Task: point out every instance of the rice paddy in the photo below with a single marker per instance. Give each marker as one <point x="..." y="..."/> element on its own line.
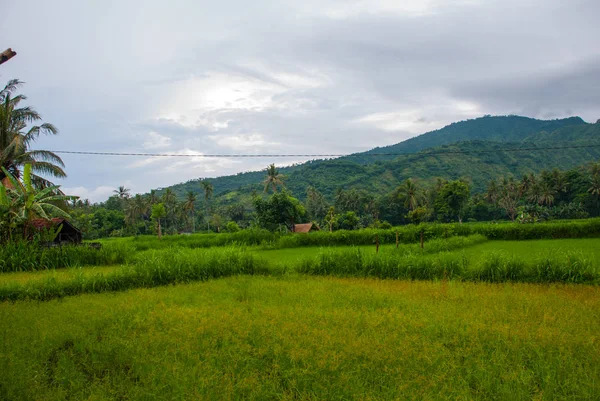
<point x="249" y="323"/>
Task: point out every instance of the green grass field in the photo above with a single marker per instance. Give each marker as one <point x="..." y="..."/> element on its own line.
<point x="278" y="334"/>
<point x="306" y="338"/>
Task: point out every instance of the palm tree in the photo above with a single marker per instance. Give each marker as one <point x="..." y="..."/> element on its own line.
<point x="26" y="203"/>
<point x="546" y="195"/>
<point x="273" y="178"/>
<point x="492" y="192"/>
<point x="169" y="199"/>
<point x="594" y="189"/>
<point x="153" y="197"/>
<point x="122" y="192"/>
<point x="189" y="205"/>
<point x="208" y="191"/>
<point x="16" y="139"/>
<point x="409" y="191"/>
<point x="158" y="212"/>
<point x="136" y="208"/>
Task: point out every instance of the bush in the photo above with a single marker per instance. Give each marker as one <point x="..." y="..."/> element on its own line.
<point x="30" y="256"/>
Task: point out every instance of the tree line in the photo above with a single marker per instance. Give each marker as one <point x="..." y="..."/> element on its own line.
<point x="548" y="195"/>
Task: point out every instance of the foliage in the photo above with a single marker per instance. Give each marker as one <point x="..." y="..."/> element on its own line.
<point x="17" y="137"/>
<point x="280" y="209"/>
<point x="22" y="202"/>
<point x="451" y="201"/>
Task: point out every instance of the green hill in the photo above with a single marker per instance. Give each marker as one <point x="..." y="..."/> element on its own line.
<point x="423" y="157"/>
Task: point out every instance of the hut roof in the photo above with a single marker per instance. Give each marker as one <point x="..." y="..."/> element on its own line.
<point x="43" y="223"/>
<point x="304" y="228"/>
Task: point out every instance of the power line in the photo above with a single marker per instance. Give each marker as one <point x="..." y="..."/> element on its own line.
<point x="436" y="153"/>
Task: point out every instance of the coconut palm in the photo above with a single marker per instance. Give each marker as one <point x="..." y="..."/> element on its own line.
<point x="546" y="195"/>
<point x="594" y="188"/>
<point x="189" y="205"/>
<point x="410" y="193"/>
<point x="136" y="208"/>
<point x="122" y="192"/>
<point x="17" y="136"/>
<point x="208" y="190"/>
<point x="492" y="192"/>
<point x="273" y="178"/>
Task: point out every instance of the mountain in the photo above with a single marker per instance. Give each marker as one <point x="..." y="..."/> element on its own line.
<point x="487" y="128"/>
<point x="483" y="142"/>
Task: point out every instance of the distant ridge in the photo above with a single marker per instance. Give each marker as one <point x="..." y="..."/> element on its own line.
<point x="382" y="174"/>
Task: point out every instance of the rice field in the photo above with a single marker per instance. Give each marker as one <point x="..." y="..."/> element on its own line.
<point x="254" y="323"/>
<point x="307" y="338"/>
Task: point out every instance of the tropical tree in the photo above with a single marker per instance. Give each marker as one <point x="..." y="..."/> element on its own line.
<point x="316" y="205"/>
<point x="188" y="206"/>
<point x="122" y="192"/>
<point x="331" y="218"/>
<point x="280" y="208"/>
<point x="158" y="212"/>
<point x="510" y="195"/>
<point x="24" y="202"/>
<point x="208" y="191"/>
<point x="16" y="137"/>
<point x="546" y="194"/>
<point x="452" y="200"/>
<point x="594" y="188"/>
<point x="409" y="192"/>
<point x="492" y="192"/>
<point x="273" y="178"/>
<point x="135" y="209"/>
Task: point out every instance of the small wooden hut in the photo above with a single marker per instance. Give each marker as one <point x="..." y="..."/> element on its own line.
<point x="305" y="228"/>
<point x="69" y="234"/>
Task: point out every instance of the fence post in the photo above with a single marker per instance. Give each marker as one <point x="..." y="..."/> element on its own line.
<point x="377" y="243"/>
<point x="421" y="239"/>
<point x="396" y="239"/>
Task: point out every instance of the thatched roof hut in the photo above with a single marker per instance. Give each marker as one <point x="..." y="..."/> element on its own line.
<point x="68" y="233"/>
<point x="305" y="228"/>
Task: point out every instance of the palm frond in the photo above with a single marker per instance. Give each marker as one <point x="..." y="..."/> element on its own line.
<point x="46" y="156"/>
<point x="9" y="88"/>
<point x="47" y="168"/>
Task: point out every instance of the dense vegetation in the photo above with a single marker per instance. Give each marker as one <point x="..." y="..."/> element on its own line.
<point x="381" y="174"/>
<point x="550" y="195"/>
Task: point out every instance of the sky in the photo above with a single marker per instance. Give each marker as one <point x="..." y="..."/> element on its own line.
<point x="293" y="77"/>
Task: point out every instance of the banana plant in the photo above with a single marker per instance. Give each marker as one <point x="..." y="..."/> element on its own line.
<point x="25" y="202"/>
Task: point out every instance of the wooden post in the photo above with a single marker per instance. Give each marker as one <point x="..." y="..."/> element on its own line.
<point x="396" y="239"/>
<point x="377" y="243"/>
<point x="421" y="239"/>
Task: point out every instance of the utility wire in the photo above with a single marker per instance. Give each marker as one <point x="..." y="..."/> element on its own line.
<point x="436" y="153"/>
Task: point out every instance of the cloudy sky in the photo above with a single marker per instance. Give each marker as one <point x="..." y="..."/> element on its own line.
<point x="310" y="76"/>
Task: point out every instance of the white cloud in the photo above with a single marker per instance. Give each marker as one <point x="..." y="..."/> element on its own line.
<point x="156" y="141"/>
<point x="97" y="194"/>
<point x="244" y="142"/>
<point x="317" y="76"/>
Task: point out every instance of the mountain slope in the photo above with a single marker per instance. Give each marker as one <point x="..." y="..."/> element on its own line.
<point x="488" y="128"/>
<point x="484" y="138"/>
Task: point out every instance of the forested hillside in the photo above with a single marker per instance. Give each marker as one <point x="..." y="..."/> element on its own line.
<point x="430" y="156"/>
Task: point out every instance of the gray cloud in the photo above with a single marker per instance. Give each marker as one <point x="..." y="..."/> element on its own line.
<point x="286" y="77"/>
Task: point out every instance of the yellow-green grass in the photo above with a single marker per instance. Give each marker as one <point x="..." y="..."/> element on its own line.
<point x="306" y="338"/>
<point x="56" y="274"/>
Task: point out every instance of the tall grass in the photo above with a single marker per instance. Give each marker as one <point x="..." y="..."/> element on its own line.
<point x="408" y="234"/>
<point x="27" y="256"/>
<point x="148" y="269"/>
<point x="496" y="267"/>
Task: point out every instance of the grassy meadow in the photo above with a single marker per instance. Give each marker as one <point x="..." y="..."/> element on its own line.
<point x="296" y="337"/>
<point x="462" y="318"/>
